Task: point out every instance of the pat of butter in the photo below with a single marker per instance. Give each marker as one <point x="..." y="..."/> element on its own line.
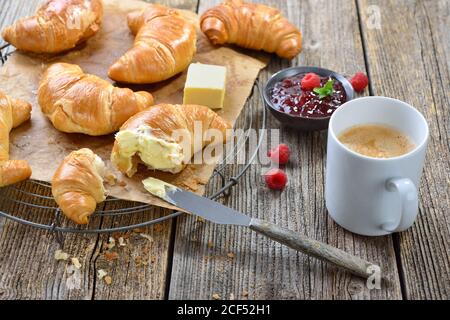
<point x="205" y="85"/>
<point x="157" y="187"/>
<point x="154" y="152"/>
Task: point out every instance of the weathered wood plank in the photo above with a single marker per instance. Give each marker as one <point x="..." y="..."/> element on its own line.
<point x="140" y="270"/>
<point x="236" y="263"/>
<point x="409" y="59"/>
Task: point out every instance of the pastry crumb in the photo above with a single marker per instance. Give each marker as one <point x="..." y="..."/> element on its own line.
<point x="76" y="263"/>
<point x="111" y="256"/>
<point x="138" y="261"/>
<point x="101" y="274"/>
<point x="245" y="293"/>
<point x="216" y="296"/>
<point x="122" y="242"/>
<point x="111" y="243"/>
<point x="110" y="179"/>
<point x="60" y="255"/>
<point x="122" y="183"/>
<point x="231" y="296"/>
<point x="108" y="280"/>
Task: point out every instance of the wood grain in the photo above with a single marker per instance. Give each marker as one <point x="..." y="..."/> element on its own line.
<point x="236" y="263"/>
<point x="409" y="59"/>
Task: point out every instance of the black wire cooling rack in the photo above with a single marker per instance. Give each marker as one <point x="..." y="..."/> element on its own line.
<point x="32" y="204"/>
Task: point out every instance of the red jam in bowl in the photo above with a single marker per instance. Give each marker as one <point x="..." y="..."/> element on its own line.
<point x="287" y="96"/>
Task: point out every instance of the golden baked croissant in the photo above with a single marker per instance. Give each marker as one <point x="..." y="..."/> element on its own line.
<point x="164" y="46"/>
<point x="58" y="25"/>
<point x="77" y="185"/>
<point x="156" y="136"/>
<point x="78" y="102"/>
<point x="13" y="112"/>
<point x="252" y="26"/>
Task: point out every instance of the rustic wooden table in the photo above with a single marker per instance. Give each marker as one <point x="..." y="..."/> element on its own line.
<point x="404" y="46"/>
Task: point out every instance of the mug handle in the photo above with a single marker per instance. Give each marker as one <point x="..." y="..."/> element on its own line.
<point x="409" y="207"/>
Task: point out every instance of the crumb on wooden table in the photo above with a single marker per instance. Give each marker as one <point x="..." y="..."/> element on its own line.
<point x="146" y="236"/>
<point x="216" y="296"/>
<point x="138" y="260"/>
<point x="108" y="280"/>
<point x="111" y="255"/>
<point x="111" y="243"/>
<point x="230" y="255"/>
<point x="158" y="227"/>
<point x="200" y="219"/>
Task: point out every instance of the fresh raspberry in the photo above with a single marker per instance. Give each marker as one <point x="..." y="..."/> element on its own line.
<point x="359" y="81"/>
<point x="276" y="179"/>
<point x="279" y="154"/>
<point x="310" y="81"/>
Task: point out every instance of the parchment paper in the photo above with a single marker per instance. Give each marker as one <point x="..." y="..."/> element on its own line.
<point x="44" y="147"/>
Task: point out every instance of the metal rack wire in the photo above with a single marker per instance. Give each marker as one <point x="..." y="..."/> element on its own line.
<point x="32" y="204"/>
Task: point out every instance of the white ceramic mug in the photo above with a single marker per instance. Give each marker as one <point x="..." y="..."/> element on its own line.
<point x="375" y="196"/>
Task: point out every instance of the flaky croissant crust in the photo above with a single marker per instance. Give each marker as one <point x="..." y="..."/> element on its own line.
<point x="252" y="26"/>
<point x="13" y="112"/>
<point x="58" y="25"/>
<point x="164" y="46"/>
<point x="77" y="185"/>
<point x="164" y="119"/>
<point x="78" y="102"/>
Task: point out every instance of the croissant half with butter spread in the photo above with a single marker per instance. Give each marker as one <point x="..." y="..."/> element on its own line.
<point x="148" y="137"/>
<point x="252" y="26"/>
<point x="13" y="112"/>
<point x="78" y="102"/>
<point x="164" y="46"/>
<point x="77" y="185"/>
<point x="58" y="25"/>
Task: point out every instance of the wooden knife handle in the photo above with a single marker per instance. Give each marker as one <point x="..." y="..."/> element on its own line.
<point x="313" y="248"/>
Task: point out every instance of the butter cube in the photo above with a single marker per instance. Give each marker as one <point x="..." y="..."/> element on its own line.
<point x="205" y="85"/>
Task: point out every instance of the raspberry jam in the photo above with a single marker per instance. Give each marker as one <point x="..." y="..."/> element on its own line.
<point x="287" y="96"/>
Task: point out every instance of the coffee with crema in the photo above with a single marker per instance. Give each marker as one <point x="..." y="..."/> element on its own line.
<point x="377" y="141"/>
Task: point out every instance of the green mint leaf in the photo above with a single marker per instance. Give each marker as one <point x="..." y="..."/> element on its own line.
<point x="326" y="90"/>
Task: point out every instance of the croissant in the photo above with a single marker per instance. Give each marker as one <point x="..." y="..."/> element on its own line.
<point x="164" y="46"/>
<point x="77" y="185"/>
<point x="252" y="26"/>
<point x="58" y="25"/>
<point x="156" y="137"/>
<point x="13" y="112"/>
<point x="78" y="102"/>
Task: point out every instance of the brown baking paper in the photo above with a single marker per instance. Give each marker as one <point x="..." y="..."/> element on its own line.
<point x="44" y="147"/>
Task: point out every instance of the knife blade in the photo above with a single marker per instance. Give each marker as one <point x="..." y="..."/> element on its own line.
<point x="205" y="208"/>
<point x="220" y="214"/>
